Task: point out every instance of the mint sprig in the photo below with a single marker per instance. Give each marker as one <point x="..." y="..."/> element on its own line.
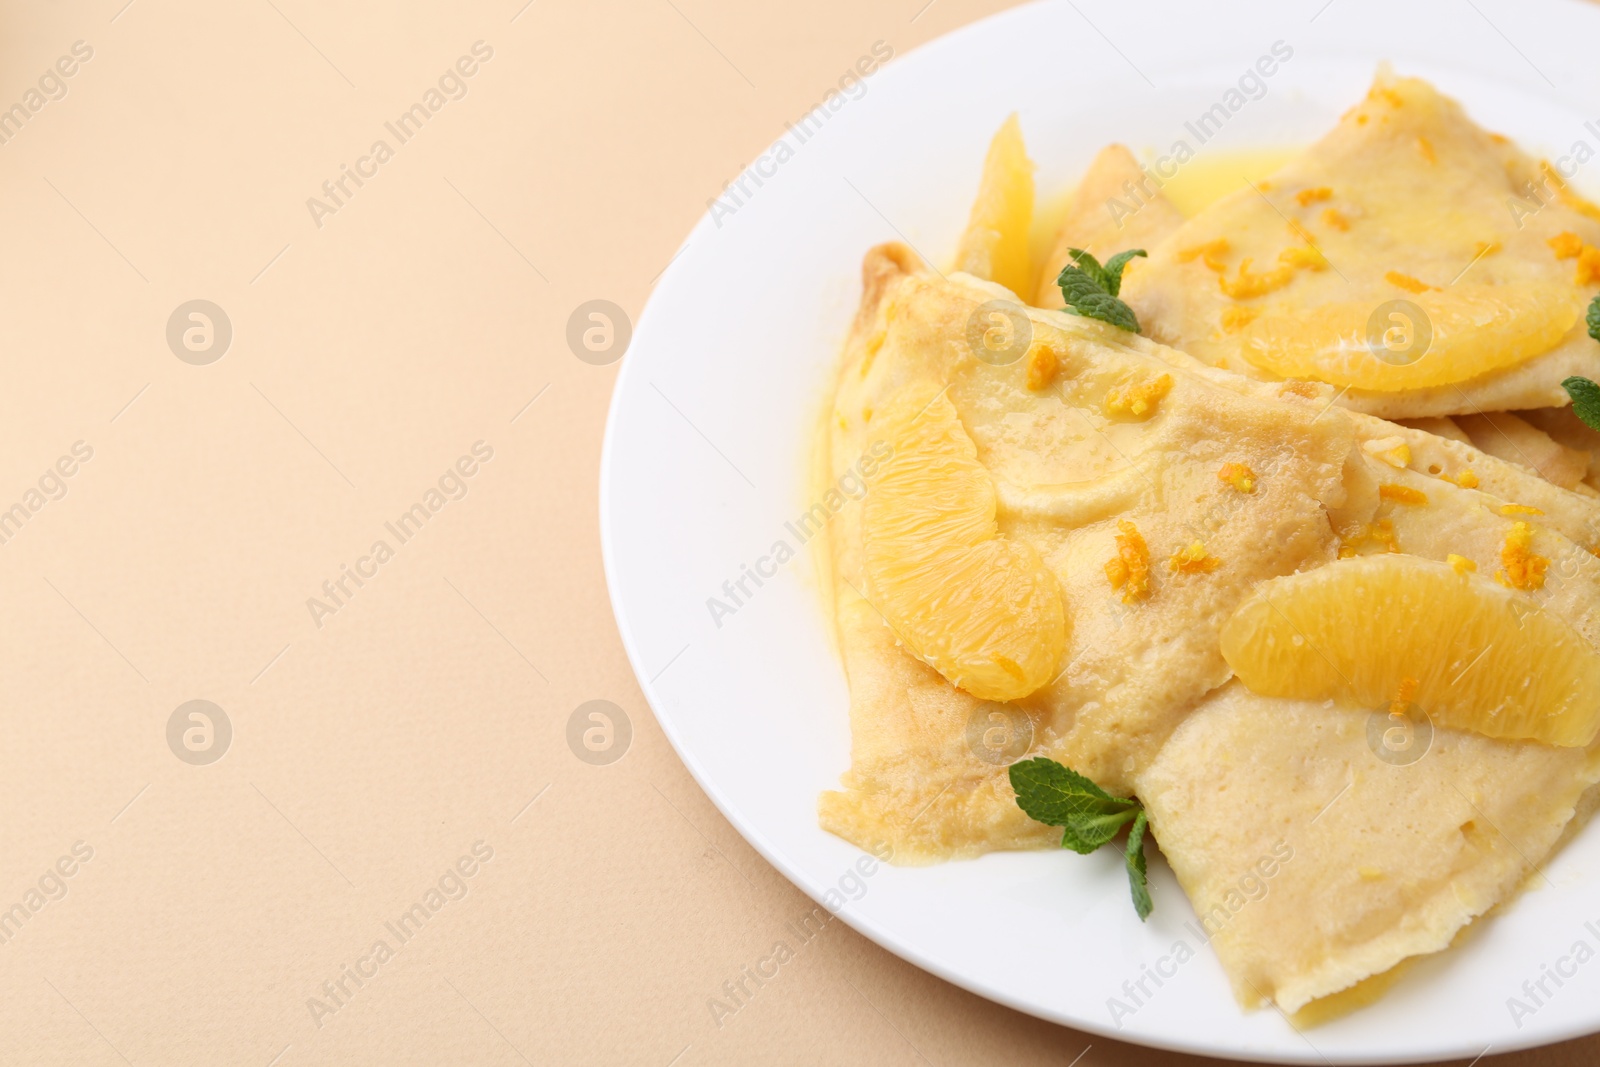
<point x="1091" y="290"/>
<point x="1585" y="399"/>
<point x="1089" y="817"/>
<point x="1138" y="884"/>
<point x="1585" y="394"/>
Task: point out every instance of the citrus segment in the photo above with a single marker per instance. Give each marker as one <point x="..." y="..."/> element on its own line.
<point x="1461" y="332"/>
<point x="1484" y="658"/>
<point x="983" y="611"/>
<point x="995" y="243"/>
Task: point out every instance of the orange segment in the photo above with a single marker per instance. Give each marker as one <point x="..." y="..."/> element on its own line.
<point x="995" y="243"/>
<point x="1463" y="331"/>
<point x="983" y="611"/>
<point x="1484" y="658"/>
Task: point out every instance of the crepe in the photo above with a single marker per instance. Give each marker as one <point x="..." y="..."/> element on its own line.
<point x="1519" y="441"/>
<point x="1372" y="863"/>
<point x="1143" y="703"/>
<point x="1389" y="860"/>
<point x="1563" y="427"/>
<point x="1065" y="472"/>
<point x="1405" y="204"/>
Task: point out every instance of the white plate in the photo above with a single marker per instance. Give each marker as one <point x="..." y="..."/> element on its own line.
<point x="705" y="454"/>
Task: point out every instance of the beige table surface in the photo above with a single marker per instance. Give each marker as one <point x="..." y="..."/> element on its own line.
<point x="401" y="749"/>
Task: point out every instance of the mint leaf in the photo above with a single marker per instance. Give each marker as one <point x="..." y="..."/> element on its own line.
<point x="1137" y="882"/>
<point x="1594" y="318"/>
<point x="1087" y="832"/>
<point x="1114" y="267"/>
<point x="1089" y="816"/>
<point x="1058" y="796"/>
<point x="1103" y="306"/>
<point x="1091" y="267"/>
<point x="1584" y="393"/>
<point x="1091" y="290"/>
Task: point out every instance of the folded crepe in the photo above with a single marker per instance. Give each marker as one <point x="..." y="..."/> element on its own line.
<point x="1420" y="264"/>
<point x="1151" y="494"/>
<point x="1089" y="226"/>
<point x="1391" y="857"/>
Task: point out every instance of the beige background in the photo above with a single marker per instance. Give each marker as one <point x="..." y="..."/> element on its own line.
<point x="428" y="713"/>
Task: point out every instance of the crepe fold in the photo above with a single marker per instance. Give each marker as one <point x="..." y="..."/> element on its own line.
<point x="1406" y="217"/>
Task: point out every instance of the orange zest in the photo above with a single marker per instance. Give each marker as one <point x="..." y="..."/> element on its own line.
<point x="1588" y="266"/>
<point x="1524" y="569"/>
<point x="1239" y="476"/>
<point x="1210" y="254"/>
<point x="1137" y="395"/>
<point x="1042" y="366"/>
<point x="1193" y="560"/>
<point x="1129" y="571"/>
<point x="1408" y="283"/>
<point x="1402" y="494"/>
<point x="1566" y="245"/>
